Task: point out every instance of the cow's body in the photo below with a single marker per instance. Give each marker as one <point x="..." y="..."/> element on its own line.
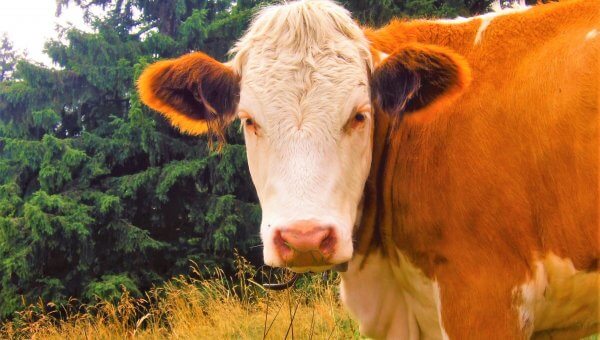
<point x="487" y="211"/>
<point x="480" y="215"/>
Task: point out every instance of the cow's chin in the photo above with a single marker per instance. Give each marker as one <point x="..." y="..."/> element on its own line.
<point x="340" y="267"/>
<point x="337" y="264"/>
<point x="311" y="269"/>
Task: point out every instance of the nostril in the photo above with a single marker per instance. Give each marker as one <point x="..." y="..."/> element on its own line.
<point x="328" y="243"/>
<point x="282" y="246"/>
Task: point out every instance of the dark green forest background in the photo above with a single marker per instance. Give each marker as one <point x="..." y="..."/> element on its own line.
<point x="96" y="190"/>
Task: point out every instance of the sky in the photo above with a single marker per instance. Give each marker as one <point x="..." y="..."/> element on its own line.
<point x="30" y="23"/>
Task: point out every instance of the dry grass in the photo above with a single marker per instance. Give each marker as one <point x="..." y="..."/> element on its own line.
<point x="197" y="308"/>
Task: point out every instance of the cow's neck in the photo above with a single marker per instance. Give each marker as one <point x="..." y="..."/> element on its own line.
<point x="379" y="203"/>
<point x="399" y="150"/>
<point x="370" y="236"/>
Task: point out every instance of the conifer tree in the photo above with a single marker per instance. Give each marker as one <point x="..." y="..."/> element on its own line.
<point x="97" y="191"/>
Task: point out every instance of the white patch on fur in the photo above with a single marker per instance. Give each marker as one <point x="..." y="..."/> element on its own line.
<point x="487" y="19"/>
<point x="591" y="34"/>
<point x="485" y="22"/>
<point x="419" y="293"/>
<point x="455" y="21"/>
<point x="391" y="301"/>
<point x="438" y="302"/>
<point x="304" y="69"/>
<point x="557" y="297"/>
<point x="382" y="56"/>
<point x="373" y="297"/>
<point x="530" y="293"/>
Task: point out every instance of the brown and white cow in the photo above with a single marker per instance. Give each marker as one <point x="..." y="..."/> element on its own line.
<point x="453" y="163"/>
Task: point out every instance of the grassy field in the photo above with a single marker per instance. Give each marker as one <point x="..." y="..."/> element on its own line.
<point x="197" y="308"/>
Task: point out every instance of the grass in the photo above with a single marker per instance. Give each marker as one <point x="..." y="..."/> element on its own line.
<point x="196" y="308"/>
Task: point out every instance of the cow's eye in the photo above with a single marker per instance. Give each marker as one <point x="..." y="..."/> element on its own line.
<point x="356" y="121"/>
<point x="251" y="125"/>
<point x="248" y="122"/>
<point x="360" y="117"/>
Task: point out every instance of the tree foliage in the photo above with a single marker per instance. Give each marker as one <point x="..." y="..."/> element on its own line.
<point x="97" y="191"/>
<point x="8" y="58"/>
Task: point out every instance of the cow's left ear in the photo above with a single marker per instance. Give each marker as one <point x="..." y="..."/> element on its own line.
<point x="196" y="93"/>
<point x="418" y="77"/>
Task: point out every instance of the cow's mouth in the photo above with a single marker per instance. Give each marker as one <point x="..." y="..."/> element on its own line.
<point x="312" y="269"/>
<point x="342" y="267"/>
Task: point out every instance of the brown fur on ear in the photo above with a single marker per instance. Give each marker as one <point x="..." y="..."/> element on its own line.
<point x="196" y="93"/>
<point x="419" y="77"/>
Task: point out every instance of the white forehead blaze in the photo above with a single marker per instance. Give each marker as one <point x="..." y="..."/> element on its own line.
<point x="304" y="69"/>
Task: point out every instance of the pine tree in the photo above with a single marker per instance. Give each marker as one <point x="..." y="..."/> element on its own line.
<point x="8" y="58"/>
<point x="97" y="191"/>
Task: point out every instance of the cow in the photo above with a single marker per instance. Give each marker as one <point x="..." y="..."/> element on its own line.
<point x="451" y="164"/>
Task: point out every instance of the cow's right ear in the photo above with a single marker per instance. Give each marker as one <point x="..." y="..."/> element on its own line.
<point x="417" y="78"/>
<point x="196" y="93"/>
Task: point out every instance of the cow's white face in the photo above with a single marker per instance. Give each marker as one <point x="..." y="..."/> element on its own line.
<point x="307" y="121"/>
<point x="308" y="134"/>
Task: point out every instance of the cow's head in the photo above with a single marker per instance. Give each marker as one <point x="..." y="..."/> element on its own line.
<point x="304" y="84"/>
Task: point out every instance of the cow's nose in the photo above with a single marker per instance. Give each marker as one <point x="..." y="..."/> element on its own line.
<point x="305" y="243"/>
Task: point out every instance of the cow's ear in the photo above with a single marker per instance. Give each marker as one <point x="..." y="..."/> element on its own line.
<point x="196" y="93"/>
<point x="418" y="77"/>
